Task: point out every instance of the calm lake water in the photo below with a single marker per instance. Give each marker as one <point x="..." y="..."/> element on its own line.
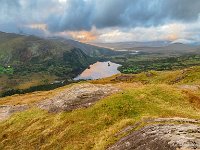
<point x="99" y="70"/>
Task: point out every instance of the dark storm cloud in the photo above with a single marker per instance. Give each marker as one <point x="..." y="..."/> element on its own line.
<point x="8" y="8"/>
<point x="77" y="15"/>
<point x="15" y="14"/>
<point x="84" y="14"/>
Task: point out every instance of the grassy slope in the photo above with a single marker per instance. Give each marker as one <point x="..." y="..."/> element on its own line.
<point x="36" y="61"/>
<point x="95" y="127"/>
<point x="186" y="76"/>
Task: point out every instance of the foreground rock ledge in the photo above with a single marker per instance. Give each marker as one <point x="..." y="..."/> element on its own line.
<point x="77" y="96"/>
<point x="164" y="134"/>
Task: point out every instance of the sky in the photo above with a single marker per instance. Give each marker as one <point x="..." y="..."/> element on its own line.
<point x="94" y="21"/>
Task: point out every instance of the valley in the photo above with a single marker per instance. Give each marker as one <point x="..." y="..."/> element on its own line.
<point x="31" y="63"/>
<point x="99" y="75"/>
<point x="58" y="96"/>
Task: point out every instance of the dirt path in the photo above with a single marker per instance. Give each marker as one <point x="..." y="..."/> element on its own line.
<point x="162" y="134"/>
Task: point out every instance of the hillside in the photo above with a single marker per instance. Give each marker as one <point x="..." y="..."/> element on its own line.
<point x="134" y="44"/>
<point x="159" y="47"/>
<point x="90" y="50"/>
<point x="30" y="63"/>
<point x="111" y="113"/>
<point x="27" y="61"/>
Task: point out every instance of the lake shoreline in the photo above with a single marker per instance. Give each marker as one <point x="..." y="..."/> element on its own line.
<point x="99" y="70"/>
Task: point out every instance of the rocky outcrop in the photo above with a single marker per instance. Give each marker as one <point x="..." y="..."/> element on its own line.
<point x="162" y="134"/>
<point x="123" y="78"/>
<point x="78" y="96"/>
<point x="7" y="110"/>
<point x="189" y="87"/>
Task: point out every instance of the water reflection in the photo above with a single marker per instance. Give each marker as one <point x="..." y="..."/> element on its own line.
<point x="99" y="70"/>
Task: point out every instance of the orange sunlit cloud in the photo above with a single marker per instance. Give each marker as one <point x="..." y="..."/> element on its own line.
<point x="172" y="37"/>
<point x="82" y="36"/>
<point x="174" y="31"/>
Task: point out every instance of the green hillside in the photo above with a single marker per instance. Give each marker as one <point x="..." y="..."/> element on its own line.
<point x="142" y="96"/>
<point x="27" y="61"/>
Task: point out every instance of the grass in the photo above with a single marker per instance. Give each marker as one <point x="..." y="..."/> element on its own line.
<point x="95" y="127"/>
<point x="186" y="76"/>
<point x="31" y="98"/>
<point x="25" y="82"/>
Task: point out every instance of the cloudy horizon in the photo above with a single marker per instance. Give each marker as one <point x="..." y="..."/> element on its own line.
<point x="104" y="20"/>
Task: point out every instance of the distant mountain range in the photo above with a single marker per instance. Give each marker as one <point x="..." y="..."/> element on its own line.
<point x="127" y="45"/>
<point x="132" y="44"/>
<point x="154" y="47"/>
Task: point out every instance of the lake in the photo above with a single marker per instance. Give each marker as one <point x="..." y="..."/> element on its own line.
<point x="99" y="70"/>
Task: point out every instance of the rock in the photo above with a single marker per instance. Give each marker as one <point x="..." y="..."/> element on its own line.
<point x="165" y="134"/>
<point x="177" y="80"/>
<point x="78" y="96"/>
<point x="149" y="74"/>
<point x="123" y="78"/>
<point x="189" y="87"/>
<point x="7" y="110"/>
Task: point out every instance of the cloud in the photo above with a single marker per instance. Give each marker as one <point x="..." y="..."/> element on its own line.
<point x="84" y="14"/>
<point x="78" y="18"/>
<point x="169" y="32"/>
<point x="82" y="36"/>
<point x="17" y="13"/>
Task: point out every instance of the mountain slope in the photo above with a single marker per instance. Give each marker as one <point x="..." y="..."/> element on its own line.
<point x="162" y="47"/>
<point x="128" y="45"/>
<point x="146" y="104"/>
<point x="90" y="50"/>
<point x="28" y="61"/>
<point x="19" y="49"/>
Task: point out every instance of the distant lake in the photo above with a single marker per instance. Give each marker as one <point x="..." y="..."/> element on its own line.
<point x="99" y="70"/>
